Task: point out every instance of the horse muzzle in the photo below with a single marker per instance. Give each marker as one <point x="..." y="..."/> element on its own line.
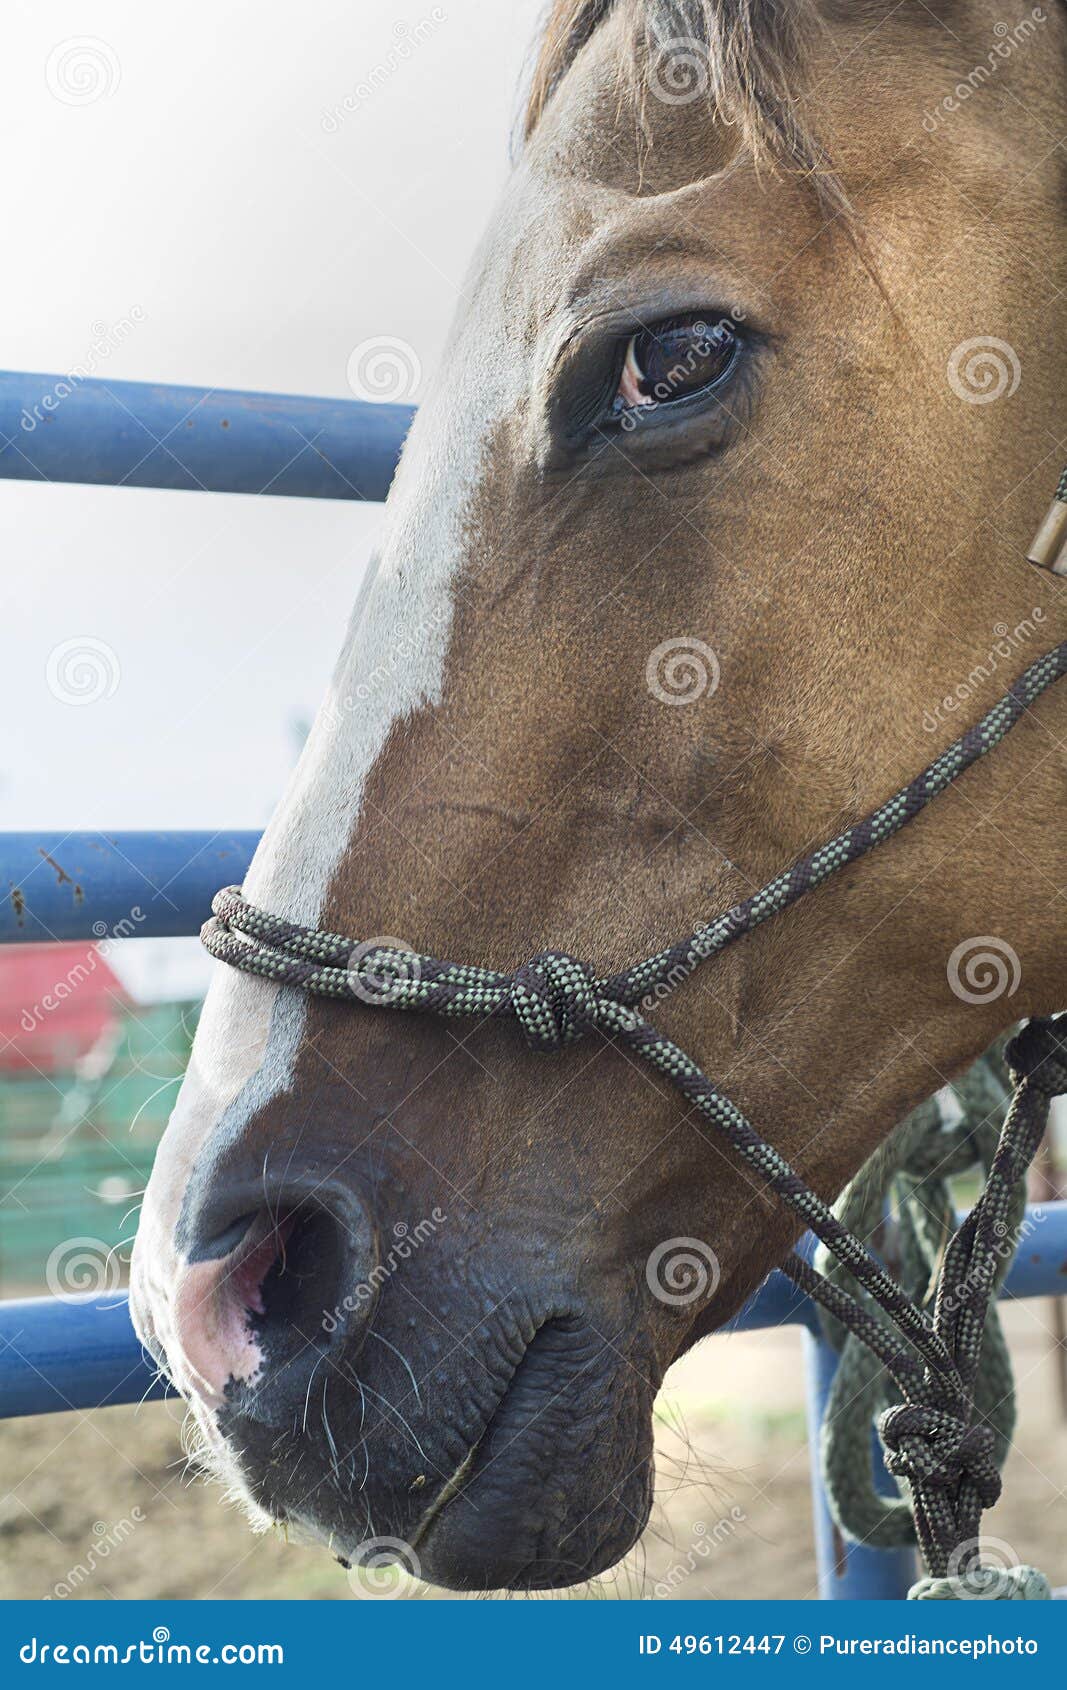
<point x="499" y="1432"/>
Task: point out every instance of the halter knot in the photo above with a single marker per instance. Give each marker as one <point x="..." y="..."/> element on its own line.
<point x="929" y="1446"/>
<point x="553" y="998"/>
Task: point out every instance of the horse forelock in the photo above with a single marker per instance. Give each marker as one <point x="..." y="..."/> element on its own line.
<point x="755" y="51"/>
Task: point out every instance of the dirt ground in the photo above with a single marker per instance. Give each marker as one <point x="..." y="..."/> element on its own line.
<point x="107" y="1493"/>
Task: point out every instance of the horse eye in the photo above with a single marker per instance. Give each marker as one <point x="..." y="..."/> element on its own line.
<point x="674" y="360"/>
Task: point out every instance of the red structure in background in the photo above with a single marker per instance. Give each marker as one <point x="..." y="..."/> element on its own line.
<point x="56" y="1001"/>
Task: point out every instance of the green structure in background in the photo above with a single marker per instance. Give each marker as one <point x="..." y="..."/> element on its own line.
<point x="76" y="1150"/>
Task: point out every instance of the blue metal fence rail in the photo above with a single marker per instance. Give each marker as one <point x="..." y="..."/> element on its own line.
<point x="208" y="440"/>
<point x="61" y="1354"/>
<point x="137" y="885"/>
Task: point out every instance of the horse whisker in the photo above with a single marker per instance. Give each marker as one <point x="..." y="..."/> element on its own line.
<point x="401" y="1358"/>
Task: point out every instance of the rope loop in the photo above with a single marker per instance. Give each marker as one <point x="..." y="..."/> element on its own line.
<point x="554" y="999"/>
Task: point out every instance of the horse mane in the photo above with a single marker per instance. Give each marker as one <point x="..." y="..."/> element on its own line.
<point x="754" y="53"/>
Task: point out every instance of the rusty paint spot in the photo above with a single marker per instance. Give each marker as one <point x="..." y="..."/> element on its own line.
<point x="18" y="903"/>
<point x="224" y="423"/>
<point x="61" y="873"/>
<point x="79" y="894"/>
<point x="1063" y="1267"/>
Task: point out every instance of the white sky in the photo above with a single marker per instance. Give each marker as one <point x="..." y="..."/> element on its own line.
<point x="201" y="197"/>
<point x="204" y="192"/>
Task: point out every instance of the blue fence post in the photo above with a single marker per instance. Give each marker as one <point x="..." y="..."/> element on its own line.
<point x="848" y="1572"/>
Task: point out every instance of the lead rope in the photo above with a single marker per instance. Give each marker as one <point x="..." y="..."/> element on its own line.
<point x="931" y="1440"/>
<point x="908" y="1178"/>
<point x="929" y="1437"/>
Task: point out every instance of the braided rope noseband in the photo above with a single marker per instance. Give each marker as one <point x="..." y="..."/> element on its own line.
<point x="931" y="1443"/>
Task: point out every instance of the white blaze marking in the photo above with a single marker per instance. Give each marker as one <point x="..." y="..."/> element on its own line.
<point x="392" y="664"/>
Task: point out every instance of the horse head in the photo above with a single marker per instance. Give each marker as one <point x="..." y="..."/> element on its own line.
<point x="708" y="536"/>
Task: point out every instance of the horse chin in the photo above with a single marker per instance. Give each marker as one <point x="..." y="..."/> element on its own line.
<point x="510" y="1550"/>
<point x="556" y="1490"/>
<point x="555" y="1484"/>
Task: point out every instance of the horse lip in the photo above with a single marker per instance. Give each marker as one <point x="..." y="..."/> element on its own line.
<point x="453" y="1548"/>
<point x="453" y="1486"/>
<point x="449" y="1490"/>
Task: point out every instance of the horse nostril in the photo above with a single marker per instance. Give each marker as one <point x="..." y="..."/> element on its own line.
<point x="291" y="1280"/>
<point x="225" y="1242"/>
<point x="266" y="1295"/>
<point x="262" y="1260"/>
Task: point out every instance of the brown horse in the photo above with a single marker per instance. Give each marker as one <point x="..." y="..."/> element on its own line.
<point x="708" y="538"/>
